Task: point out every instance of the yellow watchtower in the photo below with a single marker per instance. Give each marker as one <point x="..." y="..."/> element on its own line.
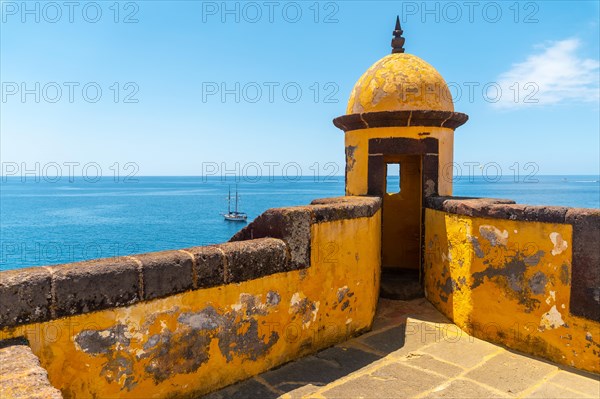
<point x="400" y="116"/>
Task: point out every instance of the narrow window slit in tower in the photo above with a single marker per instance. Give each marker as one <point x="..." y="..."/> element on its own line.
<point x="393" y="184"/>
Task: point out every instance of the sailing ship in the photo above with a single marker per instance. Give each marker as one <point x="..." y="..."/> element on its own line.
<point x="234" y="216"/>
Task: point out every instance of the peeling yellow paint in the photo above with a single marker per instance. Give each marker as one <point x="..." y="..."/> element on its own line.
<point x="551" y="319"/>
<point x="201" y="340"/>
<point x="513" y="289"/>
<point x="559" y="244"/>
<point x="400" y="82"/>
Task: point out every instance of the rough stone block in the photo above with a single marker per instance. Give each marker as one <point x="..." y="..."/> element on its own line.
<point x="468" y="206"/>
<point x="22" y="376"/>
<point x="25" y="296"/>
<point x="209" y="266"/>
<point x="331" y="209"/>
<point x="251" y="259"/>
<point x="95" y="285"/>
<point x="545" y="214"/>
<point x="506" y="211"/>
<point x="291" y="225"/>
<point x="166" y="273"/>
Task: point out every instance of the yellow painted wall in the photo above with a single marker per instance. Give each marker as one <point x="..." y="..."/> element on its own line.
<point x="357" y="169"/>
<point x="198" y="341"/>
<point x="509" y="282"/>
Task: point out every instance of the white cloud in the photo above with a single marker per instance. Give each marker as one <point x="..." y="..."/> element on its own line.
<point x="557" y="74"/>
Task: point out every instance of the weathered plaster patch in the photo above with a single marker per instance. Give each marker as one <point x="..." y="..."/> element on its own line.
<point x="510" y="276"/>
<point x="341" y="293"/>
<point x="174" y="344"/>
<point x="448" y="288"/>
<point x="305" y="308"/>
<point x="120" y="370"/>
<point x="343" y="296"/>
<point x="345" y="305"/>
<point x="476" y="247"/>
<point x="493" y="235"/>
<point x="551" y="319"/>
<point x="533" y="260"/>
<point x="97" y="342"/>
<point x="559" y="243"/>
<point x="207" y="319"/>
<point x="273" y="298"/>
<point x="537" y="283"/>
<point x="294" y="302"/>
<point x="350" y="160"/>
<point x="551" y="298"/>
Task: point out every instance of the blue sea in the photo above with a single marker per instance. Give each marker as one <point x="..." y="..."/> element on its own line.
<point x="44" y="223"/>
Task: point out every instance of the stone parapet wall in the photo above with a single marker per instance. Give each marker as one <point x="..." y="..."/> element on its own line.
<point x="585" y="285"/>
<point x="185" y="322"/>
<point x="523" y="276"/>
<point x="44" y="293"/>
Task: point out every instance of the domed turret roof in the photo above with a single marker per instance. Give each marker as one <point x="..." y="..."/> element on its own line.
<point x="400" y="82"/>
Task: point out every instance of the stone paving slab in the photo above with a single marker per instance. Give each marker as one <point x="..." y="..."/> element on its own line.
<point x="321" y="369"/>
<point x="393" y="380"/>
<point x="246" y="389"/>
<point x="463" y="389"/>
<point x="549" y="390"/>
<point x="511" y="373"/>
<point x="428" y="363"/>
<point x="579" y="380"/>
<point x="415" y="352"/>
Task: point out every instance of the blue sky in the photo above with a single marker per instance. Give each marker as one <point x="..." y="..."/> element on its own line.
<point x="171" y="61"/>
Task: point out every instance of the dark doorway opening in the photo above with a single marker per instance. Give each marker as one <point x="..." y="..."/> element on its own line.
<point x="403" y="194"/>
<point x="401" y="227"/>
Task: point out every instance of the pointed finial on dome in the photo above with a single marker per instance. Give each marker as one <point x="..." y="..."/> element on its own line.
<point x="398" y="40"/>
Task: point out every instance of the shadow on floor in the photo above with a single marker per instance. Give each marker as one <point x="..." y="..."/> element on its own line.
<point x="305" y="375"/>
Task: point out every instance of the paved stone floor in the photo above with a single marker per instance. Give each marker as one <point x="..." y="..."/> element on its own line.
<point x="414" y="352"/>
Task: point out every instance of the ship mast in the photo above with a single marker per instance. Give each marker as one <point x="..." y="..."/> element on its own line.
<point x="229" y="201"/>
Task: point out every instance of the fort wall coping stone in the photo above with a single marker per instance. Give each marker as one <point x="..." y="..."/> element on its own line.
<point x="41" y="294"/>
